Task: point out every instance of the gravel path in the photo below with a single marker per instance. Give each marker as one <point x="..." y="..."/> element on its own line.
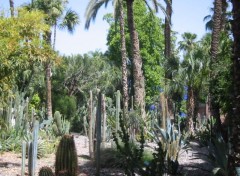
<point x="191" y="162"/>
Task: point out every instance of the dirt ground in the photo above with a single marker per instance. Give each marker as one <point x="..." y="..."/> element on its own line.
<point x="192" y="162"/>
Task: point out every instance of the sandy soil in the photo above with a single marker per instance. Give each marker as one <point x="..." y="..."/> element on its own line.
<point x="192" y="162"/>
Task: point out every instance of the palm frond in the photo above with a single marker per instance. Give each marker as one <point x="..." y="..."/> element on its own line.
<point x="92" y="10"/>
<point x="70" y="20"/>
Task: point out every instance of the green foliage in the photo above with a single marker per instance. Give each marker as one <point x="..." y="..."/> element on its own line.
<point x="218" y="154"/>
<point x="77" y="122"/>
<point x="171" y="141"/>
<point x="21" y="46"/>
<point x="67" y="105"/>
<point x="66" y="156"/>
<point x="131" y="153"/>
<point x="157" y="165"/>
<point x="106" y="76"/>
<point x="206" y="132"/>
<point x="45" y="171"/>
<point x="150" y="32"/>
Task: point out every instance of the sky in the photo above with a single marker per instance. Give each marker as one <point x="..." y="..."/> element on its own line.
<point x="187" y="17"/>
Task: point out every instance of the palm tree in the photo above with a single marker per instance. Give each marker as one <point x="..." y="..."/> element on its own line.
<point x="224" y="21"/>
<point x="11" y="3"/>
<point x="235" y="138"/>
<point x="91" y="13"/>
<point x="54" y="10"/>
<point x="217" y="18"/>
<point x="139" y="85"/>
<point x="192" y="70"/>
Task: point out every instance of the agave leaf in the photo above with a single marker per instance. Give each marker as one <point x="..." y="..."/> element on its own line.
<point x="219" y="171"/>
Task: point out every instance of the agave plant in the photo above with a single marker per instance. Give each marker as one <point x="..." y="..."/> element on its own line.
<point x="218" y="154"/>
<point x="171" y="141"/>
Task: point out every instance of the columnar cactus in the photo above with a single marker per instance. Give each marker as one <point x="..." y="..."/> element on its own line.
<point x="32" y="150"/>
<point x="45" y="171"/>
<point x="23" y="158"/>
<point x="66" y="156"/>
<point x="90" y="130"/>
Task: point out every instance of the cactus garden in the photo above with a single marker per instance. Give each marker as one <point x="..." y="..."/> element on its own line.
<point x="161" y="97"/>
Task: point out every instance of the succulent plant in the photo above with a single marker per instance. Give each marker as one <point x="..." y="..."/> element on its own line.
<point x="66" y="156"/>
<point x="46" y="171"/>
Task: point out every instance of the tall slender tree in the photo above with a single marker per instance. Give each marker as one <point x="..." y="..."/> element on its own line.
<point x="11" y="3"/>
<point x="54" y="10"/>
<point x="91" y="13"/>
<point x="167" y="29"/>
<point x="138" y="82"/>
<point x="217" y="18"/>
<point x="235" y="138"/>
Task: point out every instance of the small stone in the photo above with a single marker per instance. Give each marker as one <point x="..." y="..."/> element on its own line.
<point x="9" y="165"/>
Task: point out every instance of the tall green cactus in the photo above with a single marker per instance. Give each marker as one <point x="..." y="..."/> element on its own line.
<point x="98" y="133"/>
<point x="104" y="117"/>
<point x="23" y="158"/>
<point x="45" y="171"/>
<point x="66" y="156"/>
<point x="61" y="125"/>
<point x="32" y="150"/>
<point x="90" y="130"/>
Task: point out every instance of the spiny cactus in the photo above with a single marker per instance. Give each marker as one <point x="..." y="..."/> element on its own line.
<point x="46" y="171"/>
<point x="61" y="125"/>
<point x="66" y="156"/>
<point x="32" y="150"/>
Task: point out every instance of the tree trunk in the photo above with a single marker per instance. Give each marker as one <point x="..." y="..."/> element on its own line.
<point x="11" y="7"/>
<point x="190" y="110"/>
<point x="167" y="30"/>
<point x="217" y="17"/>
<point x="196" y="108"/>
<point x="235" y="138"/>
<point x="124" y="61"/>
<point x="224" y="12"/>
<point x="49" y="89"/>
<point x="48" y="79"/>
<point x="54" y="35"/>
<point x="167" y="50"/>
<point x="139" y="89"/>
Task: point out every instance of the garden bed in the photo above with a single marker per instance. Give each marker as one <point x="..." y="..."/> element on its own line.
<point x="192" y="162"/>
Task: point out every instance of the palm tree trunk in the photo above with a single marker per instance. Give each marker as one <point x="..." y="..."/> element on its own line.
<point x="54" y="35"/>
<point x="48" y="79"/>
<point x="49" y="89"/>
<point x="124" y="60"/>
<point x="139" y="89"/>
<point x="190" y="110"/>
<point x="217" y="17"/>
<point x="224" y="12"/>
<point x="11" y="7"/>
<point x="167" y="50"/>
<point x="196" y="108"/>
<point x="167" y="29"/>
<point x="235" y="138"/>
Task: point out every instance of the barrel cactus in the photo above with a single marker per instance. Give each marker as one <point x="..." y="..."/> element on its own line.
<point x="46" y="171"/>
<point x="66" y="157"/>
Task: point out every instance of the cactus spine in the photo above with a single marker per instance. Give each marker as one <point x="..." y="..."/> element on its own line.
<point x="32" y="150"/>
<point x="66" y="156"/>
<point x="46" y="171"/>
